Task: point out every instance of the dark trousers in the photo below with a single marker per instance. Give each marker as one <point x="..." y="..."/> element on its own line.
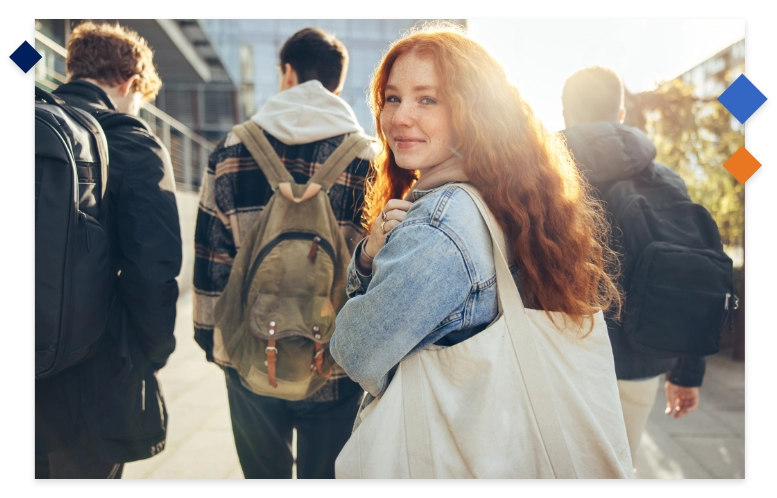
<point x="263" y="426"/>
<point x="79" y="461"/>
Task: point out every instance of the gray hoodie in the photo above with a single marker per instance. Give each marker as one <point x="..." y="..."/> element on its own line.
<point x="607" y="151"/>
<point x="306" y="113"/>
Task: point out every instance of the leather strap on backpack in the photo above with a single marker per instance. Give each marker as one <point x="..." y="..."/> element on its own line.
<point x="318" y="361"/>
<point x="272" y="359"/>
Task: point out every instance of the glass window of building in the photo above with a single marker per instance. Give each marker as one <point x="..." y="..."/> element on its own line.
<point x="52" y="28"/>
<point x="738" y="50"/>
<point x="267" y="64"/>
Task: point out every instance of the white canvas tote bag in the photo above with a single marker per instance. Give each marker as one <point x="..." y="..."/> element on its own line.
<point x="521" y="399"/>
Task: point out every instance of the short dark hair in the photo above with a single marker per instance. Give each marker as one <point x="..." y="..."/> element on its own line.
<point x="316" y="55"/>
<point x="593" y="94"/>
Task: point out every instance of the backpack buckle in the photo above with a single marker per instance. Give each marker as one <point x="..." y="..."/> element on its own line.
<point x="736" y="301"/>
<point x="271" y="349"/>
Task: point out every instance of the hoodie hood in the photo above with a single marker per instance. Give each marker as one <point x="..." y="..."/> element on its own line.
<point x="306" y="113"/>
<point x="607" y="151"/>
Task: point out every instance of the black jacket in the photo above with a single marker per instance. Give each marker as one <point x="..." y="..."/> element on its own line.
<point x="607" y="152"/>
<point x="113" y="399"/>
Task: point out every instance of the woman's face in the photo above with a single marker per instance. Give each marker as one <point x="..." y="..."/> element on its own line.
<point x="417" y="125"/>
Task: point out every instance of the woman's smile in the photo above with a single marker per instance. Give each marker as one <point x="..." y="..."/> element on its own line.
<point x="408" y="143"/>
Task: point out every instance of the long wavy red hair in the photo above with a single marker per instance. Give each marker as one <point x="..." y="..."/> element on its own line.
<point x="556" y="230"/>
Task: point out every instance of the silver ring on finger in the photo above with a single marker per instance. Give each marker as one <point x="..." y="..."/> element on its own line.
<point x="383" y="215"/>
<point x="383" y="227"/>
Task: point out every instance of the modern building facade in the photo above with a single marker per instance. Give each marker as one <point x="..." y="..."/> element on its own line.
<point x="713" y="76"/>
<point x="198" y="103"/>
<point x="249" y="50"/>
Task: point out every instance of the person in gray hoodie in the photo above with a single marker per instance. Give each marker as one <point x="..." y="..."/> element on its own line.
<point x="305" y="122"/>
<point x="607" y="151"/>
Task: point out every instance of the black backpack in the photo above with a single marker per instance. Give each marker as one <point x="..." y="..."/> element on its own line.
<point x="677" y="279"/>
<point x="72" y="284"/>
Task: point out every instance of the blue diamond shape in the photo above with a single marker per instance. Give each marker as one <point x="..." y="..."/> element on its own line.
<point x="25" y="56"/>
<point x="742" y="99"/>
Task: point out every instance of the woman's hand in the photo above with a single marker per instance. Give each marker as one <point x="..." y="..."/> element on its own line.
<point x="393" y="214"/>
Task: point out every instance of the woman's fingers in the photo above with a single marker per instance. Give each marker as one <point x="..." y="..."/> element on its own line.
<point x="392" y="215"/>
<point x="398" y="204"/>
<point x="389" y="224"/>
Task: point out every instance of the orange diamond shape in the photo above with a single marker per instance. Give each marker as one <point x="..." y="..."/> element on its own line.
<point x="742" y="165"/>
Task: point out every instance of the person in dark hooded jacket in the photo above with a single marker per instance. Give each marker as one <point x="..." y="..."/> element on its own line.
<point x="608" y="151"/>
<point x="93" y="417"/>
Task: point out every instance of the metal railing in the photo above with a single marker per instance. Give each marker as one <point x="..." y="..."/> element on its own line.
<point x="188" y="151"/>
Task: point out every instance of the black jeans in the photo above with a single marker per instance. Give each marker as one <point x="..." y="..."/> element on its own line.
<point x="263" y="426"/>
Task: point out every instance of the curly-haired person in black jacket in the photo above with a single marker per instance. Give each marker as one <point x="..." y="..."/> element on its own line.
<point x="93" y="417"/>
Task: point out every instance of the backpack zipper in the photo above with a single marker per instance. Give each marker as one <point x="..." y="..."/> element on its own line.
<point x="313" y="247"/>
<point x="326" y="246"/>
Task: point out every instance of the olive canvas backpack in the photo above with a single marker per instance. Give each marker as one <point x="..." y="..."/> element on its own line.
<point x="277" y="312"/>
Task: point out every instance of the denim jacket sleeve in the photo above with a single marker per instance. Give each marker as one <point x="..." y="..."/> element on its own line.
<point x="419" y="283"/>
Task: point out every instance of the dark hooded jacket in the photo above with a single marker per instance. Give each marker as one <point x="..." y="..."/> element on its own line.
<point x="112" y="400"/>
<point x="606" y="153"/>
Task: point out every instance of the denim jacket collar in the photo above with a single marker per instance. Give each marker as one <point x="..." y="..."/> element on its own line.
<point x="417" y="194"/>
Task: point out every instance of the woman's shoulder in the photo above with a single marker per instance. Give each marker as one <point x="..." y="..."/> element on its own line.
<point x="436" y="206"/>
<point x="452" y="211"/>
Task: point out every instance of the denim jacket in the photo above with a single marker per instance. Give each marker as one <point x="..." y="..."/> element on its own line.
<point x="433" y="282"/>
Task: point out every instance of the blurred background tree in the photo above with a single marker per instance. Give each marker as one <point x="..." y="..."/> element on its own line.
<point x="695" y="136"/>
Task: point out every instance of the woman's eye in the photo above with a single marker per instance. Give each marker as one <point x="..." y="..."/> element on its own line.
<point x="392" y="98"/>
<point x="428" y="100"/>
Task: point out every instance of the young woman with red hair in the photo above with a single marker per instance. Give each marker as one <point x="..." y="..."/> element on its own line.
<point x="425" y="280"/>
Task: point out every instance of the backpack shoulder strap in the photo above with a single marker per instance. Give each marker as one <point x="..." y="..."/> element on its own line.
<point x="263" y="153"/>
<point x="44" y="96"/>
<point x="87" y="121"/>
<point x="113" y="119"/>
<point x="339" y="160"/>
<point x="95" y="128"/>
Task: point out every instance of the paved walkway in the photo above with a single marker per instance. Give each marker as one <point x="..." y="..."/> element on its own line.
<point x="708" y="443"/>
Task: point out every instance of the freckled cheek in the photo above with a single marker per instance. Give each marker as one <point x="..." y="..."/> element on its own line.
<point x="444" y="130"/>
<point x="385" y="124"/>
<point x="385" y="119"/>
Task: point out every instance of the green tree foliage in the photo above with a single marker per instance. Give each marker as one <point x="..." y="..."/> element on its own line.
<point x="695" y="137"/>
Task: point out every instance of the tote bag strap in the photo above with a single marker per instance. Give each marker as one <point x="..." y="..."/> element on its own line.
<point x="419" y="451"/>
<point x="525" y="349"/>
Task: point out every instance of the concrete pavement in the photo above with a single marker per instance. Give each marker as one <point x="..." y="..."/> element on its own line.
<point x="708" y="443"/>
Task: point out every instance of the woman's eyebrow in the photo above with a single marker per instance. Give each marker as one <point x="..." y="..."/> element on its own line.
<point x="419" y="88"/>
